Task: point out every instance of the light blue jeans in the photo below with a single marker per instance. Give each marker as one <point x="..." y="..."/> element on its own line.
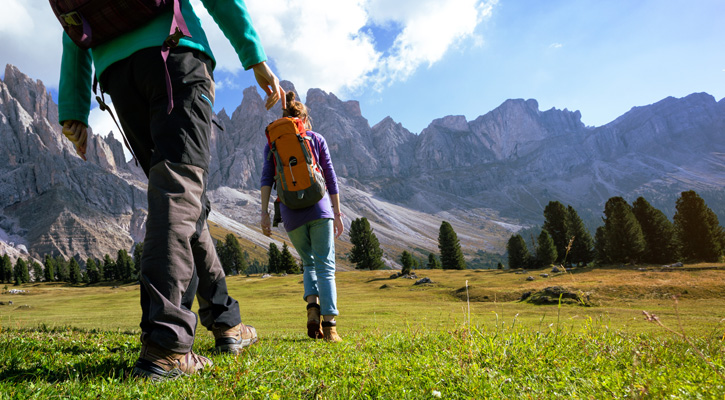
<point x="315" y="243"/>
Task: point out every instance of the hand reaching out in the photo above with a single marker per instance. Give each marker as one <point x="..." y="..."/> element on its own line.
<point x="270" y="84"/>
<point x="77" y="133"/>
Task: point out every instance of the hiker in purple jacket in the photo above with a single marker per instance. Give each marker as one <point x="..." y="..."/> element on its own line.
<point x="164" y="96"/>
<point x="312" y="231"/>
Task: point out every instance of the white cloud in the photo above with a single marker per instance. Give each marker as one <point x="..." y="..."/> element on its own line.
<point x="31" y="39"/>
<point x="556" y="46"/>
<point x="313" y="43"/>
<point x="323" y="43"/>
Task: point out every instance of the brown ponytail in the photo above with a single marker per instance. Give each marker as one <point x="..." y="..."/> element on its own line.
<point x="296" y="109"/>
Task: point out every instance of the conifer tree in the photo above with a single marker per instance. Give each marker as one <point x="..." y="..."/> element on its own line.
<point x="75" y="271"/>
<point x="62" y="272"/>
<point x="545" y="250"/>
<point x="137" y="255"/>
<point x="406" y="260"/>
<point x="275" y="259"/>
<point x="581" y="251"/>
<point x="288" y="262"/>
<point x="124" y="266"/>
<point x="7" y="269"/>
<point x="698" y="229"/>
<point x="624" y="239"/>
<point x="517" y="251"/>
<point x="37" y="271"/>
<point x="661" y="243"/>
<point x="109" y="268"/>
<point x="92" y="270"/>
<point x="601" y="255"/>
<point x="555" y="223"/>
<point x="49" y="264"/>
<point x="221" y="252"/>
<point x="21" y="271"/>
<point x="450" y="248"/>
<point x="234" y="254"/>
<point x="366" y="252"/>
<point x="433" y="262"/>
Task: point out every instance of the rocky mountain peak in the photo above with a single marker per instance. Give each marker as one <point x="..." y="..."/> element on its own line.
<point x="31" y="95"/>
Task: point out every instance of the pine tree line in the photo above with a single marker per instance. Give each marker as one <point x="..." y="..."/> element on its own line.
<point x="637" y="233"/>
<point x="58" y="269"/>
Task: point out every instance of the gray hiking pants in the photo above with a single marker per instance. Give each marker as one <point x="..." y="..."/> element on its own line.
<point x="179" y="258"/>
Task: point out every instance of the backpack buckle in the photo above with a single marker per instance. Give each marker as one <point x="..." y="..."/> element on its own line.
<point x="173" y="39"/>
<point x="72" y="19"/>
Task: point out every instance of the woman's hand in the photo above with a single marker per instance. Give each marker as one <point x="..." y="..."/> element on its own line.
<point x="339" y="226"/>
<point x="265" y="223"/>
<point x="77" y="133"/>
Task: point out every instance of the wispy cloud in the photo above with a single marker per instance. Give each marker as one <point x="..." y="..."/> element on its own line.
<point x="556" y="46"/>
<point x="324" y="43"/>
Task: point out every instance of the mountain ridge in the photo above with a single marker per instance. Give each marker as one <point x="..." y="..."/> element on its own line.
<point x="488" y="176"/>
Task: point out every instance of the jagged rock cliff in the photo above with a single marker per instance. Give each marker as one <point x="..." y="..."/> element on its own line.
<point x="483" y="175"/>
<point x="49" y="197"/>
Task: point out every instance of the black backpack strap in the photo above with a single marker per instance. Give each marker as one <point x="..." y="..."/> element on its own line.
<point x="104" y="107"/>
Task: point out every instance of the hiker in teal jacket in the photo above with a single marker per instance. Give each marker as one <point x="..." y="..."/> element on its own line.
<point x="171" y="143"/>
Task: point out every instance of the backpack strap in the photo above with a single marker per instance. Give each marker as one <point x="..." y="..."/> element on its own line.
<point x="104" y="107"/>
<point x="177" y="31"/>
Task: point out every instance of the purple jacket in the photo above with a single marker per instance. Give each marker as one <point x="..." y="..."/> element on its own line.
<point x="293" y="219"/>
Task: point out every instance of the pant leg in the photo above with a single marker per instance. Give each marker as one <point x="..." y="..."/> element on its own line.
<point x="176" y="249"/>
<point x="300" y="238"/>
<point x="322" y="240"/>
<point x="215" y="304"/>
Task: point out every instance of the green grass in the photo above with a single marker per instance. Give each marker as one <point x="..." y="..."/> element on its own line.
<point x="401" y="342"/>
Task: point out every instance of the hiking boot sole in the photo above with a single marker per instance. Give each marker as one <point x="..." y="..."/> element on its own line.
<point x="235" y="347"/>
<point x="147" y="370"/>
<point x="314" y="331"/>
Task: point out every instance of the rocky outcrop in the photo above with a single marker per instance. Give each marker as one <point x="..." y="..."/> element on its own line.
<point x="58" y="203"/>
<point x="508" y="162"/>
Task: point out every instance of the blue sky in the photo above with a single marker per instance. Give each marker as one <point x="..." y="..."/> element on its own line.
<point x="420" y="60"/>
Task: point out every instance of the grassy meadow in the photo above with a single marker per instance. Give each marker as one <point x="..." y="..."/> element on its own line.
<point x="464" y="336"/>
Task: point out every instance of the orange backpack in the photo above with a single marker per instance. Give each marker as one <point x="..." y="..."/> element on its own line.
<point x="297" y="176"/>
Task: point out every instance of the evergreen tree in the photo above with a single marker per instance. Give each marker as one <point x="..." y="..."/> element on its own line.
<point x="661" y="244"/>
<point x="235" y="254"/>
<point x="275" y="259"/>
<point x="555" y="222"/>
<point x="75" y="271"/>
<point x="288" y="262"/>
<point x="7" y="269"/>
<point x="624" y="238"/>
<point x="124" y="266"/>
<point x="37" y="271"/>
<point x="92" y="271"/>
<point x="366" y="252"/>
<point x="518" y="253"/>
<point x="109" y="268"/>
<point x="406" y="260"/>
<point x="137" y="255"/>
<point x="221" y="252"/>
<point x="601" y="255"/>
<point x="62" y="272"/>
<point x="101" y="273"/>
<point x="581" y="251"/>
<point x="450" y="248"/>
<point x="21" y="272"/>
<point x="499" y="265"/>
<point x="545" y="250"/>
<point x="49" y="264"/>
<point x="433" y="262"/>
<point x="698" y="229"/>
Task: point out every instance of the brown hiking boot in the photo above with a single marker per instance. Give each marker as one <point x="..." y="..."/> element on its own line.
<point x="159" y="364"/>
<point x="329" y="329"/>
<point x="314" y="330"/>
<point x="234" y="339"/>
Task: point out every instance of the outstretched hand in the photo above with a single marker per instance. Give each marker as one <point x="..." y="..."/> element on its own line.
<point x="77" y="133"/>
<point x="270" y="84"/>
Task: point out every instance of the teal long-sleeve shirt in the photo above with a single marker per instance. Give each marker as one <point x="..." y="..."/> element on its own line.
<point x="74" y="92"/>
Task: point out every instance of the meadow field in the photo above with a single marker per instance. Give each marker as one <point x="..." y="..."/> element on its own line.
<point x="466" y="335"/>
